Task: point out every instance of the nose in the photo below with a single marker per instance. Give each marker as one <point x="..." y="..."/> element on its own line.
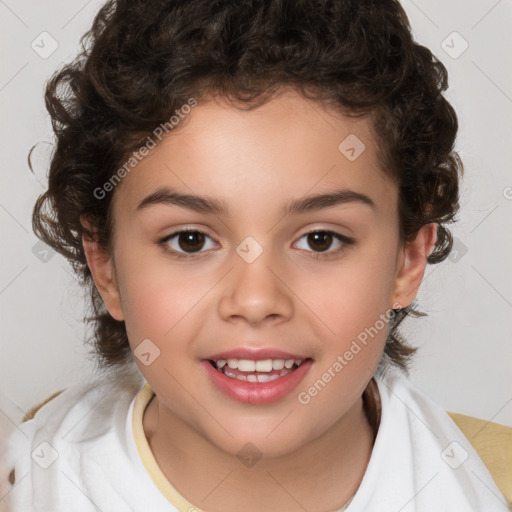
<point x="256" y="293"/>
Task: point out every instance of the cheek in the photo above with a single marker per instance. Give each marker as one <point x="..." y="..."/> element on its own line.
<point x="152" y="310"/>
<point x="152" y="300"/>
<point x="351" y="303"/>
<point x="352" y="293"/>
<point x="161" y="300"/>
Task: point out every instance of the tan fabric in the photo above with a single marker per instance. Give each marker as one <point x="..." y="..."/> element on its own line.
<point x="32" y="412"/>
<point x="493" y="442"/>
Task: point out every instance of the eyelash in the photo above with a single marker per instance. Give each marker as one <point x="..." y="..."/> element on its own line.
<point x="346" y="241"/>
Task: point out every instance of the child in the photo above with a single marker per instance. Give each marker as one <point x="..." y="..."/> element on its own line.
<point x="251" y="191"/>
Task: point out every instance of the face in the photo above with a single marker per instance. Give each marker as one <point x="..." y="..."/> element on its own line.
<point x="266" y="274"/>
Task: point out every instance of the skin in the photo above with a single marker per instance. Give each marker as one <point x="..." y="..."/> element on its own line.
<point x="292" y="297"/>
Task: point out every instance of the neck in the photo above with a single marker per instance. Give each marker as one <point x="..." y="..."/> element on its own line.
<point x="320" y="475"/>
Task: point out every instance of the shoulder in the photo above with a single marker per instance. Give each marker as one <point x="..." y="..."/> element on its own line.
<point x="49" y="442"/>
<point x="73" y="411"/>
<point x="439" y="442"/>
<point x="493" y="443"/>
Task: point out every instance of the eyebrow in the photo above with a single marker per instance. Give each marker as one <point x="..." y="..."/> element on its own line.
<point x="170" y="197"/>
<point x="321" y="201"/>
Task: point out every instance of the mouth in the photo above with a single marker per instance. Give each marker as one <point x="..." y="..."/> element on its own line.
<point x="259" y="380"/>
<point x="262" y="370"/>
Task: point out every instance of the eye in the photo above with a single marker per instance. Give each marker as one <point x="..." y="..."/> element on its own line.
<point x="323" y="241"/>
<point x="187" y="241"/>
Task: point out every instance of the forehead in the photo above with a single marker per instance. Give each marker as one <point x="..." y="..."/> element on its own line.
<point x="287" y="147"/>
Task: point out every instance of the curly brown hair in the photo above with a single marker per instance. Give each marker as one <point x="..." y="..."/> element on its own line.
<point x="142" y="60"/>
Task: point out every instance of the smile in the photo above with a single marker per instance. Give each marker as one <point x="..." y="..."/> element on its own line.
<point x="258" y="381"/>
<point x="256" y="371"/>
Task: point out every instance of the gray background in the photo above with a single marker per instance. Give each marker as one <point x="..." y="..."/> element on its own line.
<point x="466" y="351"/>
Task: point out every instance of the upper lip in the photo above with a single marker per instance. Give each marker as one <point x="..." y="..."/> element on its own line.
<point x="255" y="354"/>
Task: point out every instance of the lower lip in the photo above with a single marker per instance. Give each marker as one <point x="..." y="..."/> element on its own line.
<point x="257" y="392"/>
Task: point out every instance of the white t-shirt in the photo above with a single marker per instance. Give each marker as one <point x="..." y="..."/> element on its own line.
<point x="85" y="451"/>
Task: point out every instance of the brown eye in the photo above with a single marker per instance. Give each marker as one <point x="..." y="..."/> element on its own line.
<point x="320" y="240"/>
<point x="191" y="241"/>
<point x="324" y="241"/>
<point x="187" y="243"/>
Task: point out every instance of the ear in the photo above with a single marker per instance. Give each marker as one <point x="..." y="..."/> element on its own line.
<point x="101" y="264"/>
<point x="411" y="266"/>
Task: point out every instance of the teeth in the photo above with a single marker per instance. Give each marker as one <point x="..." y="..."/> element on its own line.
<point x="264" y="365"/>
<point x="266" y="378"/>
<point x="253" y="378"/>
<point x="256" y="370"/>
<point x="244" y="365"/>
